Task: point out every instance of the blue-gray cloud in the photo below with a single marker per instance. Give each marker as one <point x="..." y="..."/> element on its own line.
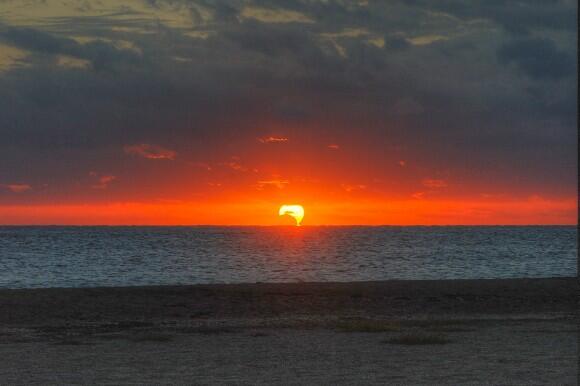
<point x="539" y="58"/>
<point x="100" y="54"/>
<point x="488" y="86"/>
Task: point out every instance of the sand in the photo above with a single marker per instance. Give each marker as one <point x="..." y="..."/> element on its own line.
<point x="520" y="331"/>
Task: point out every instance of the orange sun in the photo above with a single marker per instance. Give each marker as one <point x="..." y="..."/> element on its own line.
<point x="295" y="211"/>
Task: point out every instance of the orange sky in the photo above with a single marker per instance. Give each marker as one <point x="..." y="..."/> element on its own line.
<point x="339" y="184"/>
<point x="408" y="212"/>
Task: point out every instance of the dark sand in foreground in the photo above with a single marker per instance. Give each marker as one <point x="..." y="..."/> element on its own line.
<point x="521" y="331"/>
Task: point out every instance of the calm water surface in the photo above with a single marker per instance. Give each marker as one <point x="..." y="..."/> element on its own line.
<point x="32" y="257"/>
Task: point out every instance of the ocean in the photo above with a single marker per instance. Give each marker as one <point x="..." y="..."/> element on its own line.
<point x="44" y="257"/>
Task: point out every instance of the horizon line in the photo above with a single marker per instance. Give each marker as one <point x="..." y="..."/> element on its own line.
<point x="283" y="226"/>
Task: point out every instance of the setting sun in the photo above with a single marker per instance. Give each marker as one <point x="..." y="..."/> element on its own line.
<point x="295" y="211"/>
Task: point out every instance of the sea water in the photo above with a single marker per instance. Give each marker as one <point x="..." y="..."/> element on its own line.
<point x="40" y="257"/>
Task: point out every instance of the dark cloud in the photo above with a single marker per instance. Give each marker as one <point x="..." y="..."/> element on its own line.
<point x="431" y="82"/>
<point x="538" y="58"/>
<point x="396" y="43"/>
<point x="101" y="54"/>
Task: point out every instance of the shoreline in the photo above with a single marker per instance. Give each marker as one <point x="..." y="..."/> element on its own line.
<point x="401" y="299"/>
<point x="297" y="283"/>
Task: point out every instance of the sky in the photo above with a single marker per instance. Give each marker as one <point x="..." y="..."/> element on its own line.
<point x="194" y="112"/>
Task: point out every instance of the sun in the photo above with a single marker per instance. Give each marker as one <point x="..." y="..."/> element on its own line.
<point x="295" y="211"/>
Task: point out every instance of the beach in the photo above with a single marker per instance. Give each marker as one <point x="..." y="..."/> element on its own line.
<point x="509" y="331"/>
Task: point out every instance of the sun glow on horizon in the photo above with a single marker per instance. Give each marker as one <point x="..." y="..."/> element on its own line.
<point x="295" y="211"/>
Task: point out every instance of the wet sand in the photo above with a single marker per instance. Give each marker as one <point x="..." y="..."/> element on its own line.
<point x="521" y="331"/>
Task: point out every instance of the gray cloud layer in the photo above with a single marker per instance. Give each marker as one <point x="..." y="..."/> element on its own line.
<point x="486" y="89"/>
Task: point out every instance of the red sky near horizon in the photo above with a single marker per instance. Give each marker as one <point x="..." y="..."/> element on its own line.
<point x="365" y="113"/>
